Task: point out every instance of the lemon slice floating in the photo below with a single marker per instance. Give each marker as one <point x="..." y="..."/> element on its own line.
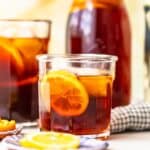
<point x="50" y="141"/>
<point x="68" y="95"/>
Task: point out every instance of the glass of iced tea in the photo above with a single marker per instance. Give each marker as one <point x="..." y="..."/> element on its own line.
<point x="75" y="93"/>
<point x="20" y="42"/>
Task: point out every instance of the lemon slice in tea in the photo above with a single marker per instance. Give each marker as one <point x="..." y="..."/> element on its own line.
<point x="50" y="141"/>
<point x="68" y="96"/>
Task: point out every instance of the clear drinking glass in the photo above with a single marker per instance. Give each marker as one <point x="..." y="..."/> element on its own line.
<point x="20" y="42"/>
<point x="75" y="93"/>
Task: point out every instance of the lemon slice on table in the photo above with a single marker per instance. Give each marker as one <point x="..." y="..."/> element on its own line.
<point x="50" y="141"/>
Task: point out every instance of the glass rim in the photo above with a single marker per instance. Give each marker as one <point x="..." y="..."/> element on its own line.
<point x="77" y="57"/>
<point x="26" y="20"/>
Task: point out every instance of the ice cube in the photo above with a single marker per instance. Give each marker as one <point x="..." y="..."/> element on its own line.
<point x="84" y="71"/>
<point x="59" y="63"/>
<point x="44" y="90"/>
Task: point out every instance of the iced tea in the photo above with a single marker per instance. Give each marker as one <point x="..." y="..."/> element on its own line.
<point x="18" y="75"/>
<point x="94" y="119"/>
<point x="18" y="70"/>
<point x="75" y="99"/>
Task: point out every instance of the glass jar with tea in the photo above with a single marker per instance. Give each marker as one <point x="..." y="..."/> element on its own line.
<point x="102" y="26"/>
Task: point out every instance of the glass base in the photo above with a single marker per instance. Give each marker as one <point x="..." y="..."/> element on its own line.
<point x="102" y="136"/>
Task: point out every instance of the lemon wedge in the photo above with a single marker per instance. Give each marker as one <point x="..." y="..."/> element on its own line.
<point x="68" y="96"/>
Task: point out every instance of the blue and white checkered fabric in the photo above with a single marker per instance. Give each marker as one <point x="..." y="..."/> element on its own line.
<point x="132" y="117"/>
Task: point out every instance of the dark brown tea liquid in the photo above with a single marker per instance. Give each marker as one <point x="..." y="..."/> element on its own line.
<point x="94" y="120"/>
<point x="99" y="26"/>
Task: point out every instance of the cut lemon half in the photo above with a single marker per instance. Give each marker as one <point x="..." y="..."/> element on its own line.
<point x="68" y="96"/>
<point x="50" y="141"/>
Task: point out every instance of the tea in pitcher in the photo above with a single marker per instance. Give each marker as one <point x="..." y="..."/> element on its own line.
<point x="102" y="27"/>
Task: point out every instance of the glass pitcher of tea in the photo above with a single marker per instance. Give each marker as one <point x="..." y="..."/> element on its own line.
<point x="20" y="42"/>
<point x="102" y="26"/>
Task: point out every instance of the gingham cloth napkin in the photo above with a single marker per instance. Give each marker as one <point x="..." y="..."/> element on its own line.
<point x="132" y="117"/>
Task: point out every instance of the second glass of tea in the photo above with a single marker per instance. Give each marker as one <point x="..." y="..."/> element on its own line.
<point x="20" y="42"/>
<point x="75" y="93"/>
